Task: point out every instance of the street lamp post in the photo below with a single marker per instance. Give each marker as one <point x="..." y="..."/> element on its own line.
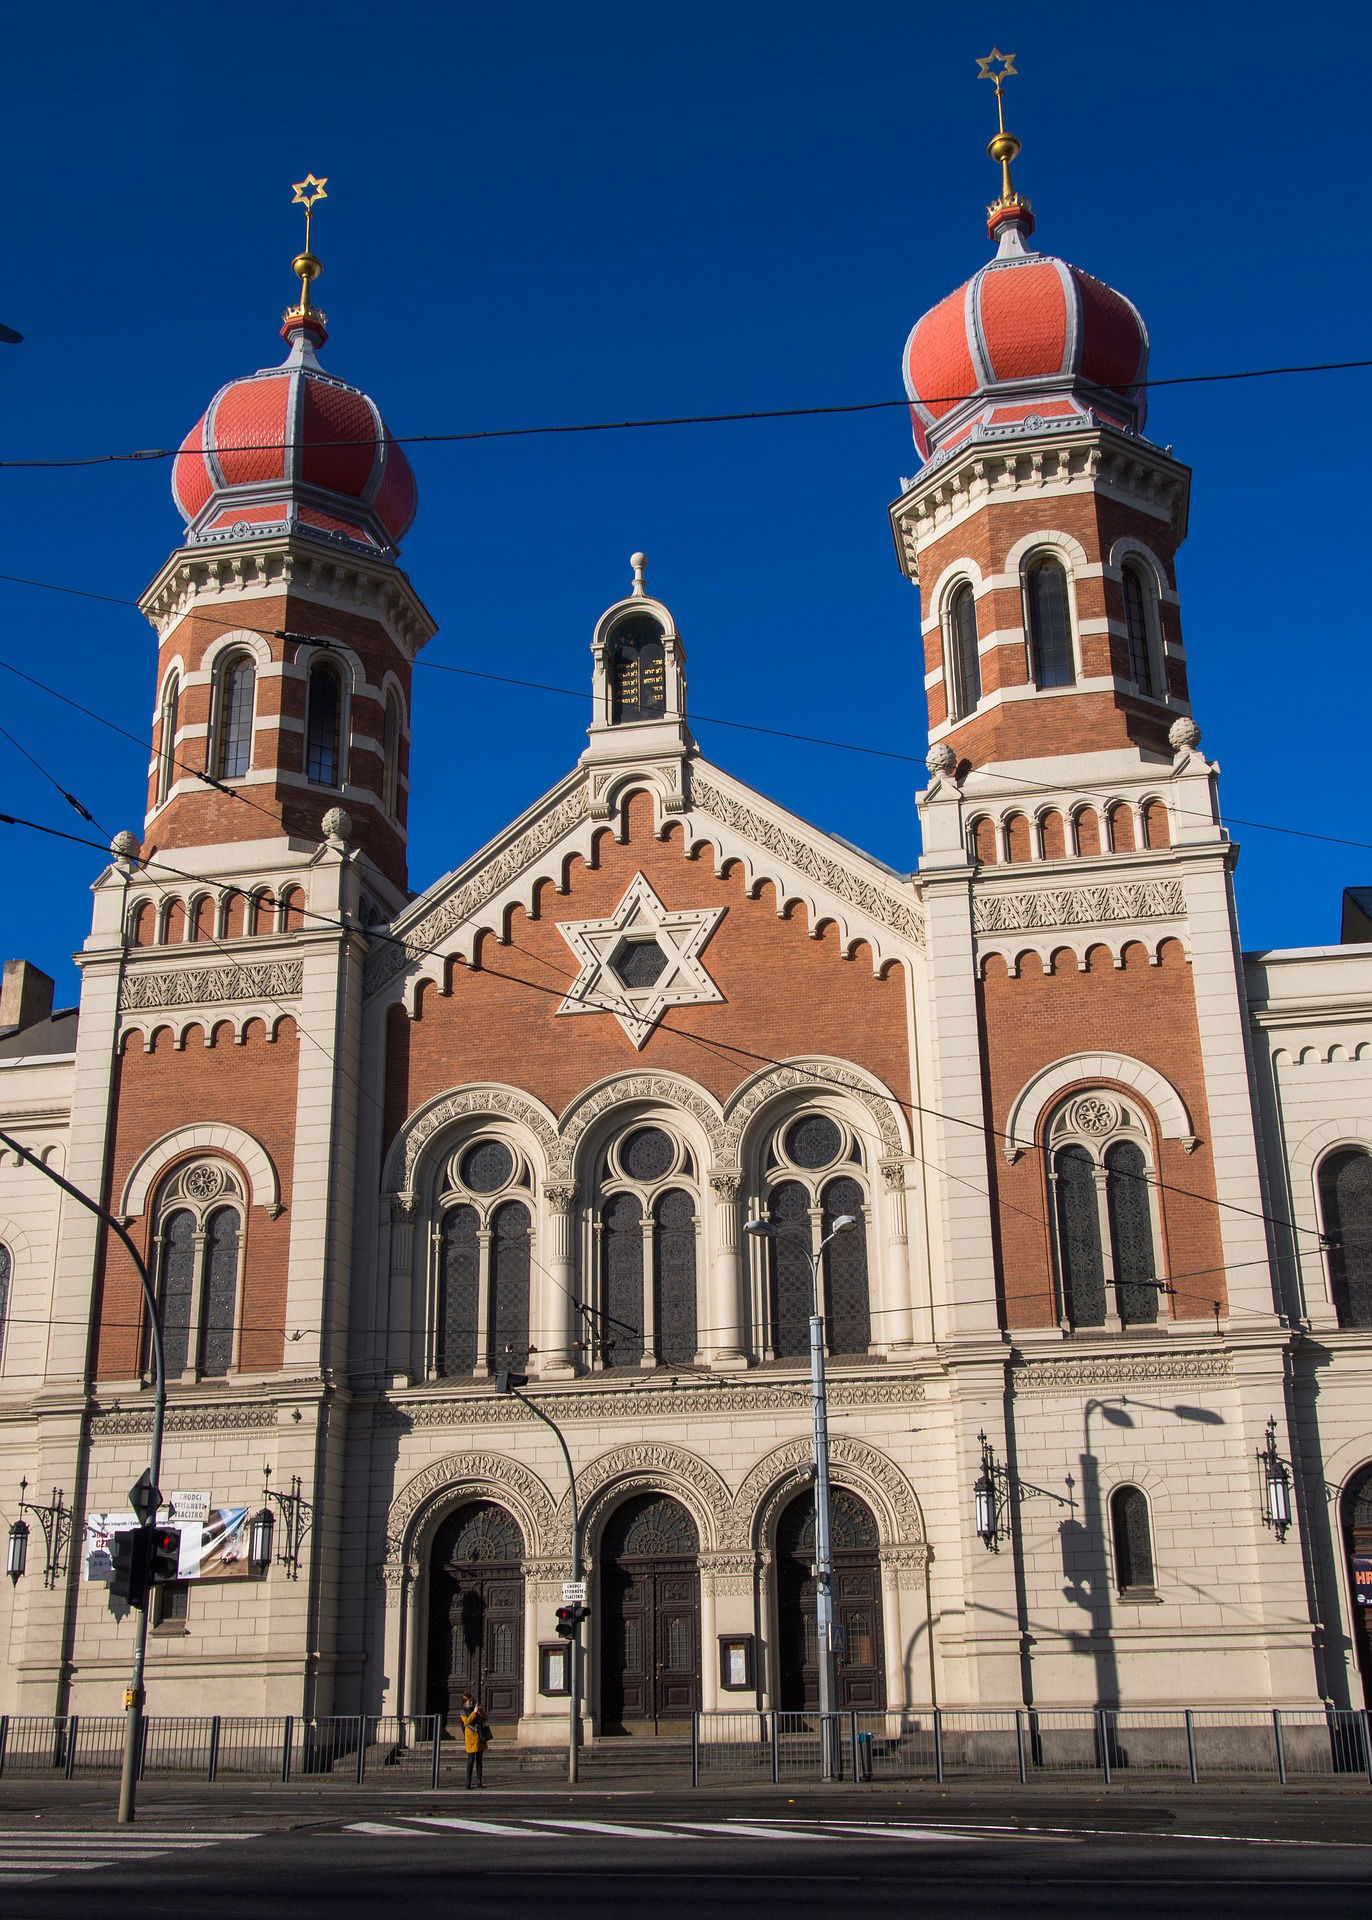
<point x="510" y="1383"/>
<point x="824" y="1540"/>
<point x="133" y="1699"/>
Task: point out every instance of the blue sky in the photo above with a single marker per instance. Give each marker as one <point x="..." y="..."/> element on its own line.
<point x="542" y="215"/>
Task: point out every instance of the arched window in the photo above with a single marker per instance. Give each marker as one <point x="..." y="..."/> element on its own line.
<point x="637" y="665"/>
<point x="391" y="755"/>
<point x="323" y="723"/>
<point x="166" y="738"/>
<point x="963" y="667"/>
<point x="237" y="693"/>
<point x="1346" y="1217"/>
<point x="481" y="1305"/>
<point x="1136" y="626"/>
<point x="1133" y="1540"/>
<point x="199" y="1245"/>
<point x="1099" y="1159"/>
<point x="1050" y="624"/>
<point x="648" y="1280"/>
<point x="814" y="1160"/>
<point x="6" y="1275"/>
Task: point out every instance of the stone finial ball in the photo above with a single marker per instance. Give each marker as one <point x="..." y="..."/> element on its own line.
<point x="940" y="759"/>
<point x="126" y="845"/>
<point x="337" y="823"/>
<point x="1184" y="733"/>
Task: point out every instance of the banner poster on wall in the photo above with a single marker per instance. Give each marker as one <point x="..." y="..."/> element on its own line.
<point x="214" y="1540"/>
<point x="1362" y="1579"/>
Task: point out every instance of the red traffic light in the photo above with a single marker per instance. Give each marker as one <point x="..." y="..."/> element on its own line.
<point x="164" y="1555"/>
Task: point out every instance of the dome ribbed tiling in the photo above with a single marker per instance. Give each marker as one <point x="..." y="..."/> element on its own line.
<point x="294" y="449"/>
<point x="1029" y="342"/>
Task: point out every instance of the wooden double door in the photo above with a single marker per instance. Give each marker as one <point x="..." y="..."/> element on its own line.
<point x="861" y="1665"/>
<point x="476" y="1614"/>
<point x="649" y="1618"/>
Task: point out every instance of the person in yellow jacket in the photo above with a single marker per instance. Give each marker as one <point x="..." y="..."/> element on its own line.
<point x="476" y="1733"/>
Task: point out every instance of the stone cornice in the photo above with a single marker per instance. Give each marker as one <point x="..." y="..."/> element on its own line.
<point x="593" y="1403"/>
<point x="281" y="565"/>
<point x="1100" y="461"/>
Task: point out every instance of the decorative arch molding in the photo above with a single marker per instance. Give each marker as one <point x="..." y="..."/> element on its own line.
<point x="863" y="1469"/>
<point x="1049" y="950"/>
<point x="1128" y="547"/>
<point x="666" y="1089"/>
<point x="237" y="640"/>
<point x="952" y="577"/>
<point x="815" y="1073"/>
<point x="1315" y="1145"/>
<point x="651" y="1467"/>
<point x="447" y="1110"/>
<point x="1065" y="546"/>
<point x="446" y="1484"/>
<point x="208" y="1137"/>
<point x="1174" y="1122"/>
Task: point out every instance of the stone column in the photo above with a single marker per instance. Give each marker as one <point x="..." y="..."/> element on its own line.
<point x="484" y="1303"/>
<point x="557" y="1359"/>
<point x="402" y="1362"/>
<point x="722" y="1345"/>
<point x="897" y="1322"/>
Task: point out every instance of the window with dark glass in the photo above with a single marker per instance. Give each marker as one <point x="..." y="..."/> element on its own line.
<point x="6" y="1272"/>
<point x="1131" y="1233"/>
<point x="1133" y="1539"/>
<point x="199" y="1250"/>
<point x="622" y="1248"/>
<point x="638" y="670"/>
<point x="1050" y="625"/>
<point x="166" y="742"/>
<point x="846" y="1304"/>
<point x="458" y="1291"/>
<point x="674" y="1279"/>
<point x="963" y="658"/>
<point x="510" y="1285"/>
<point x="1079" y="1242"/>
<point x="237" y="692"/>
<point x="175" y="1289"/>
<point x="791" y="1285"/>
<point x="221" y="1292"/>
<point x="1136" y="626"/>
<point x="390" y="749"/>
<point x="1345" y="1184"/>
<point x="323" y="717"/>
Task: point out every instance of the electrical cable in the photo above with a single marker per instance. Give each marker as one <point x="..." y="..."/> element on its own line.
<point x="144" y="454"/>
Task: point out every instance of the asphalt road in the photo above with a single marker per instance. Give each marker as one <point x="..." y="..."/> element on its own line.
<point x="424" y="1856"/>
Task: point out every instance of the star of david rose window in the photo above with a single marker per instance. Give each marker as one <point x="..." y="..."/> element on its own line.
<point x="644" y="959"/>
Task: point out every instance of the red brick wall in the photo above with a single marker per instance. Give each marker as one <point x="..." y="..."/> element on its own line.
<point x="785" y="994"/>
<point x="253" y="1087"/>
<point x="1145" y="1012"/>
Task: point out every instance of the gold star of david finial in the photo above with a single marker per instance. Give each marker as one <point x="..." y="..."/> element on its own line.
<point x="307" y="193"/>
<point x="990" y="72"/>
<point x="997" y="67"/>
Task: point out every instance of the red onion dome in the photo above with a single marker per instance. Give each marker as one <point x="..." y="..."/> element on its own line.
<point x="292" y="449"/>
<point x="1028" y="343"/>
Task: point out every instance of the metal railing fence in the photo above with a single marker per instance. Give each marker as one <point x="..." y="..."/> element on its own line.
<point x="1114" y="1744"/>
<point x="215" y="1746"/>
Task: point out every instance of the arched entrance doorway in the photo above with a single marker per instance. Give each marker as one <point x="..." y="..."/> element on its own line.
<point x="1357" y="1540"/>
<point x="476" y="1612"/>
<point x="649" y="1617"/>
<point x="857" y="1604"/>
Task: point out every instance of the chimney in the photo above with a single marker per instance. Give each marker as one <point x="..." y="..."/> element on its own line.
<point x="26" y="996"/>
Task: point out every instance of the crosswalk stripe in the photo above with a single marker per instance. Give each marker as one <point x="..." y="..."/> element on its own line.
<point x="482" y="1826"/>
<point x="754" y="1833"/>
<point x="381" y="1826"/>
<point x="606" y="1826"/>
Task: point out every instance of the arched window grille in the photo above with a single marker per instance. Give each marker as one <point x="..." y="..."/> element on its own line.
<point x="638" y="670"/>
<point x="323" y="725"/>
<point x="237" y="695"/>
<point x="648" y="1269"/>
<point x="390" y="747"/>
<point x="964" y="665"/>
<point x="485" y="1256"/>
<point x="1133" y="1540"/>
<point x="1345" y="1183"/>
<point x="166" y="738"/>
<point x="1050" y="624"/>
<point x="1106" y="1241"/>
<point x="6" y="1276"/>
<point x="814" y="1160"/>
<point x="199" y="1246"/>
<point x="1136" y="624"/>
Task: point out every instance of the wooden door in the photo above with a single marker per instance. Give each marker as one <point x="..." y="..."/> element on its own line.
<point x="476" y="1614"/>
<point x="649" y="1617"/>
<point x="860" y="1667"/>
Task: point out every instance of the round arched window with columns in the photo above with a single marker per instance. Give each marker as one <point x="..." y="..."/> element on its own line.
<point x="813" y="1175"/>
<point x="646" y="1273"/>
<point x="1106" y="1233"/>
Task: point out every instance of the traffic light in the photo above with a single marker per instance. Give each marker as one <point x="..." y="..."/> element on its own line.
<point x="505" y="1380"/>
<point x="566" y="1623"/>
<point x="164" y="1556"/>
<point x="129" y="1558"/>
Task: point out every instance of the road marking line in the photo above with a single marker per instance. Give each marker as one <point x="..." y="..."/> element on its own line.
<point x="481" y="1826"/>
<point x="606" y="1826"/>
<point x="380" y="1826"/>
<point x="755" y="1833"/>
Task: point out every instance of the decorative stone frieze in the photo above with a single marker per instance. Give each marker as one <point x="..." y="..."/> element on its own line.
<point x="1078" y="906"/>
<point x="638" y="1403"/>
<point x="128" y="1422"/>
<point x="1117" y="1369"/>
<point x="211" y="986"/>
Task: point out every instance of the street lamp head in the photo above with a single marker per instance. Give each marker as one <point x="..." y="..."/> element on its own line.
<point x="757" y="1226"/>
<point x="844" y="1221"/>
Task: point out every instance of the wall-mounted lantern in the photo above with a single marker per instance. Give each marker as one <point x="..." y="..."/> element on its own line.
<point x="297" y="1517"/>
<point x="1276" y="1485"/>
<point x="55" y="1520"/>
<point x="990" y="1497"/>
